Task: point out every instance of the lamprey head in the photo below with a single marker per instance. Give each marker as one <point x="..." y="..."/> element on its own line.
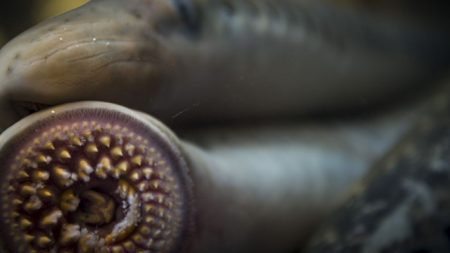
<point x="92" y="177"/>
<point x="95" y="52"/>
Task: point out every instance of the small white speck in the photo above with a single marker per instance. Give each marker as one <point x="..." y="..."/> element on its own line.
<point x="60" y="38"/>
<point x="39" y="185"/>
<point x="94" y="39"/>
<point x="124" y="205"/>
<point x="52" y="112"/>
<point x="107" y="43"/>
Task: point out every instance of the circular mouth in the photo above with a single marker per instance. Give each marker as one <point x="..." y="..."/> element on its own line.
<point x="92" y="180"/>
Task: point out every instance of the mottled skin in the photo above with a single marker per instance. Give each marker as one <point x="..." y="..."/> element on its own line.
<point x="215" y="60"/>
<point x="403" y="204"/>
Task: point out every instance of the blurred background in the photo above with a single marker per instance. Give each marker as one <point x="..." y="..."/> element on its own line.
<point x="18" y="15"/>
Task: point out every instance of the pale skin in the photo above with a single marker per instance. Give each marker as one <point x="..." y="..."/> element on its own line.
<point x="142" y="54"/>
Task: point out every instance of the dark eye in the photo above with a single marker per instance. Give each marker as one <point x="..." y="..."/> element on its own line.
<point x="25" y="108"/>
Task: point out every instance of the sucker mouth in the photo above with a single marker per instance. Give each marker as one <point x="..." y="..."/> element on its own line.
<point x="90" y="180"/>
<point x="25" y="108"/>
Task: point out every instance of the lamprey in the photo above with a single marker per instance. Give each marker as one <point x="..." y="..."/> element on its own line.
<point x="97" y="177"/>
<point x="188" y="61"/>
<point x="93" y="180"/>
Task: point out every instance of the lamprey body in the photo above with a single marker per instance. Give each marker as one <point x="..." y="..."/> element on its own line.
<point x="97" y="177"/>
<point x="186" y="61"/>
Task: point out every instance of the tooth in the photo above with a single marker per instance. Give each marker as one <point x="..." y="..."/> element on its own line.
<point x="29" y="238"/>
<point x="63" y="176"/>
<point x="41" y="175"/>
<point x="129" y="246"/>
<point x="28" y="190"/>
<point x="159" y="198"/>
<point x="149" y="208"/>
<point x="91" y="149"/>
<point x="64" y="154"/>
<point x="25" y="223"/>
<point x="147" y="173"/>
<point x="145" y="230"/>
<point x="84" y="170"/>
<point x="103" y="167"/>
<point x="70" y="233"/>
<point x="88" y="134"/>
<point x="49" y="146"/>
<point x="137" y="160"/>
<point x="86" y="244"/>
<point x="123" y="188"/>
<point x="116" y="152"/>
<point x="46" y="194"/>
<point x="120" y="169"/>
<point x="161" y="211"/>
<point x="135" y="176"/>
<point x="33" y="204"/>
<point x="138" y="239"/>
<point x="142" y="186"/>
<point x="43" y="159"/>
<point x="44" y="241"/>
<point x="75" y="140"/>
<point x="23" y="175"/>
<point x="117" y="249"/>
<point x="130" y="148"/>
<point x="51" y="219"/>
<point x="17" y="202"/>
<point x="155" y="184"/>
<point x="105" y="140"/>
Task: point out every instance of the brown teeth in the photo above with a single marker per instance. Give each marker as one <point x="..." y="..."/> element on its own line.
<point x="83" y="186"/>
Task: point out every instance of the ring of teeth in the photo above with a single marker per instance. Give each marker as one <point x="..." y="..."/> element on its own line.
<point x="91" y="187"/>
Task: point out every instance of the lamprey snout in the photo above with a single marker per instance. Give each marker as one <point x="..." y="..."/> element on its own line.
<point x="88" y="53"/>
<point x="92" y="179"/>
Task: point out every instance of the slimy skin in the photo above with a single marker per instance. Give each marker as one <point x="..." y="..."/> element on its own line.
<point x="193" y="61"/>
<point x="285" y="180"/>
<point x="98" y="177"/>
